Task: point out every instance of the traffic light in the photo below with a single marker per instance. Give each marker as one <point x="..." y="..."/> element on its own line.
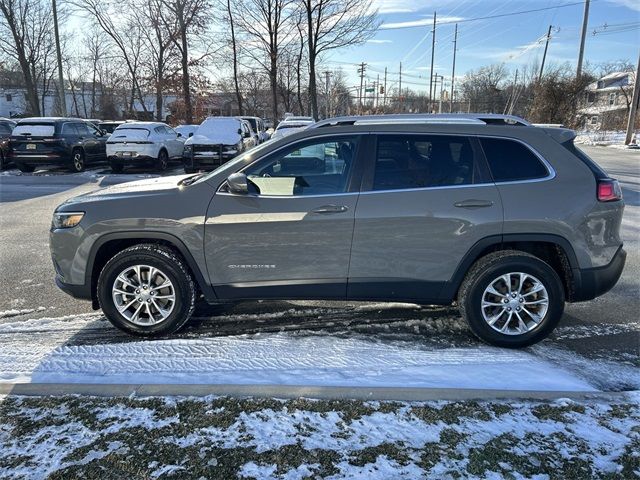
<point x="381" y="89"/>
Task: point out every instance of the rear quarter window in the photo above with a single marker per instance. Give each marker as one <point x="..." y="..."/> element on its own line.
<point x="511" y="161"/>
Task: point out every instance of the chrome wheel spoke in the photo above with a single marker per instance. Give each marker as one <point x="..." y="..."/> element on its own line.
<point x="134" y="295"/>
<point x="520" y="309"/>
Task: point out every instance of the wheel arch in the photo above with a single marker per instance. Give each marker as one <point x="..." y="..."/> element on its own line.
<point x="108" y="245"/>
<point x="553" y="249"/>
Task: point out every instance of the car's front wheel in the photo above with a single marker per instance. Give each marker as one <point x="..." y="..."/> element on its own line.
<point x="25" y="168"/>
<point x="511" y="299"/>
<point x="147" y="290"/>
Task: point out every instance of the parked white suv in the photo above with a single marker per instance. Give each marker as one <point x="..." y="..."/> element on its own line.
<point x="144" y="143"/>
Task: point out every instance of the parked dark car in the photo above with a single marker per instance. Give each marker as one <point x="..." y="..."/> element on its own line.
<point x="69" y="142"/>
<point x="110" y="125"/>
<point x="6" y="127"/>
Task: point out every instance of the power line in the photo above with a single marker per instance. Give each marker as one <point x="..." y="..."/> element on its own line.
<point x="467" y="20"/>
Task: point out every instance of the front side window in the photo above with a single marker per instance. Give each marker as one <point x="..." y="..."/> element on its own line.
<point x="310" y="168"/>
<point x="511" y="161"/>
<point x="83" y="129"/>
<point x="422" y="161"/>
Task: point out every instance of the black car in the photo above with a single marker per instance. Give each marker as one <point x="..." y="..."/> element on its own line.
<point x="6" y="127"/>
<point x="110" y="125"/>
<point x="70" y="142"/>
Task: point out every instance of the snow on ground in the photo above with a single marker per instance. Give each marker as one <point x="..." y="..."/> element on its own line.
<point x="287" y="358"/>
<point x="223" y="438"/>
<point x="604" y="138"/>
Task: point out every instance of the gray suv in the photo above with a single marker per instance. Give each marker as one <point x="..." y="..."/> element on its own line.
<point x="505" y="219"/>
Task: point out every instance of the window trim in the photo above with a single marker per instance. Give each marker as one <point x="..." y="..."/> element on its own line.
<point x="353" y="185"/>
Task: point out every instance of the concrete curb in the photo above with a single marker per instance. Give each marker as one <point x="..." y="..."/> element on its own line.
<point x="408" y="394"/>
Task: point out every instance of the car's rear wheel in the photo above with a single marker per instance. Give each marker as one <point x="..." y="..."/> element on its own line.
<point x="511" y="299"/>
<point x="25" y="168"/>
<point x="147" y="290"/>
<point x="2" y="161"/>
<point x="162" y="162"/>
<point x="77" y="161"/>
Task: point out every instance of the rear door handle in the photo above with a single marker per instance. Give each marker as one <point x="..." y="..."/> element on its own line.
<point x="471" y="203"/>
<point x="327" y="209"/>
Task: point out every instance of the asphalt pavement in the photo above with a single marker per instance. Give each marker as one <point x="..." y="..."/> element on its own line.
<point x="607" y="328"/>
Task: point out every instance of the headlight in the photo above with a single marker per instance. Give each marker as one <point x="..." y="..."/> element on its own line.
<point x="66" y="219"/>
<point x="188" y="148"/>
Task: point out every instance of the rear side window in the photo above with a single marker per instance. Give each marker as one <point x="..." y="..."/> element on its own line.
<point x="511" y="161"/>
<point x="586" y="159"/>
<point x="421" y="161"/>
<point x="34" y="130"/>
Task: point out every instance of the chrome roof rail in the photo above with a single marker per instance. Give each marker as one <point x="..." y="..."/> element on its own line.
<point x="420" y="118"/>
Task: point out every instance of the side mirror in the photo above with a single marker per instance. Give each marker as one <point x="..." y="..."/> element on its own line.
<point x="191" y="134"/>
<point x="239" y="131"/>
<point x="179" y="135"/>
<point x="238" y="183"/>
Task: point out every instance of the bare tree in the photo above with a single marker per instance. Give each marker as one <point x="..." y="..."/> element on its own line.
<point x="190" y="17"/>
<point x="234" y="51"/>
<point x="26" y="37"/>
<point x="124" y="35"/>
<point x="334" y="24"/>
<point x="484" y="88"/>
<point x="266" y="24"/>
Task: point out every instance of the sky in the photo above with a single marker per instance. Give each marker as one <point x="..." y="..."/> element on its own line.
<point x="516" y="40"/>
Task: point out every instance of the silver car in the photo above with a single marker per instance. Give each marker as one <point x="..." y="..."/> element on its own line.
<point x="506" y="220"/>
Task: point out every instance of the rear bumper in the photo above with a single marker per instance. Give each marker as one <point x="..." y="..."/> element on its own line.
<point x="590" y="283"/>
<point x="131" y="160"/>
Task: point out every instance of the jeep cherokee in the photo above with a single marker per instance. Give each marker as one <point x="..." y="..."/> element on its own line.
<point x="505" y="219"/>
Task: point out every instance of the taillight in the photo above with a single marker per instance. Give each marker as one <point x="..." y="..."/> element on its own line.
<point x="609" y="190"/>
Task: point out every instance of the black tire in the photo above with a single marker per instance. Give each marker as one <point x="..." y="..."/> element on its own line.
<point x="170" y="264"/>
<point x="162" y="162"/>
<point x="2" y="165"/>
<point x="25" y="168"/>
<point x="116" y="167"/>
<point x="78" y="163"/>
<point x="489" y="268"/>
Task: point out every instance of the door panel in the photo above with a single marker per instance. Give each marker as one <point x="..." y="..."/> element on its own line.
<point x="428" y="202"/>
<point x="254" y="240"/>
<point x="406" y="245"/>
<point x="290" y="237"/>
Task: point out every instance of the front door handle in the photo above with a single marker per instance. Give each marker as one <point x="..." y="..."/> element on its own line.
<point x="471" y="203"/>
<point x="326" y="209"/>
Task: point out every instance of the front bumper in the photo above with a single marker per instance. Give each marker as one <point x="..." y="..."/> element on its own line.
<point x="209" y="160"/>
<point x="82" y="292"/>
<point x="589" y="283"/>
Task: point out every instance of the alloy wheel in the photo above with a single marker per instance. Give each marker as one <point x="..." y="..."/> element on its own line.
<point x="515" y="303"/>
<point x="78" y="161"/>
<point x="144" y="295"/>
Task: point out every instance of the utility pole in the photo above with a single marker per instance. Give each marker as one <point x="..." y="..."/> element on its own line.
<point x="384" y="98"/>
<point x="400" y="99"/>
<point x="63" y="100"/>
<point x="544" y="55"/>
<point x="327" y="74"/>
<point x="583" y="36"/>
<point x="361" y="71"/>
<point x="433" y="48"/>
<point x="634" y="106"/>
<point x="441" y="88"/>
<point x="377" y="93"/>
<point x="453" y="69"/>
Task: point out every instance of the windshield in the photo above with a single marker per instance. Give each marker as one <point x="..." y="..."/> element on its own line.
<point x="35" y="129"/>
<point x="213" y="126"/>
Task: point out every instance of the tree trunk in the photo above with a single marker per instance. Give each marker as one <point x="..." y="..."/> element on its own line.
<point x="160" y="84"/>
<point x="186" y="83"/>
<point x="313" y="91"/>
<point x="235" y="60"/>
<point x="273" y="79"/>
